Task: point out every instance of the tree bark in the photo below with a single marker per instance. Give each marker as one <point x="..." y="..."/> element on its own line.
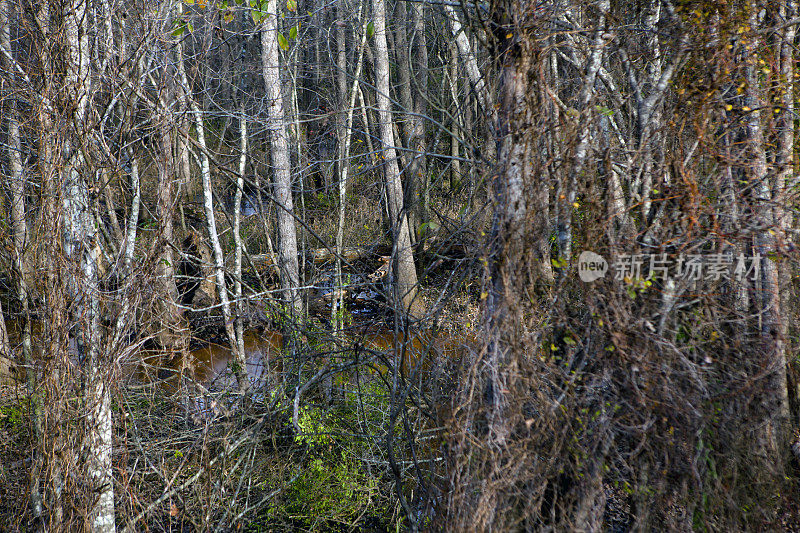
<point x="237" y="236"/>
<point x="344" y="156"/>
<point x="287" y="234"/>
<point x="80" y="247"/>
<point x="404" y="274"/>
<point x="418" y="170"/>
<point x="773" y="435"/>
<point x="16" y="183"/>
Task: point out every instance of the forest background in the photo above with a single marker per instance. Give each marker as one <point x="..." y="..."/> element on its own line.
<point x="310" y="265"/>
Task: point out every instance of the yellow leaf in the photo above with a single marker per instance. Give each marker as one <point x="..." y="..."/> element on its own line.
<point x="746" y="108"/>
<point x="576" y="205"/>
<point x="509" y="35"/>
<point x="728" y="107"/>
<point x="202" y="3"/>
<point x="190" y="2"/>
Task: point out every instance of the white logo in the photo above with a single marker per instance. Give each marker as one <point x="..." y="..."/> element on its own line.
<point x="591" y="266"/>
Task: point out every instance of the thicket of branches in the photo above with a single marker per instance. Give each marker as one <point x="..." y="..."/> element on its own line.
<point x="375" y="214"/>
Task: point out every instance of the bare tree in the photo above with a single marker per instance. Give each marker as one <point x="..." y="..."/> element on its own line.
<point x="287" y="233"/>
<point x="404" y="273"/>
<point x="80" y="246"/>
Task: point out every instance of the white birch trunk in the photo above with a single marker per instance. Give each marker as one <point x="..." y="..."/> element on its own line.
<point x="16" y="183"/>
<point x="485" y="98"/>
<point x="79" y="239"/>
<point x="237" y="236"/>
<point x="211" y="226"/>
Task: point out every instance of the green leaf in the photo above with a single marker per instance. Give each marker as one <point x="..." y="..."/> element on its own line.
<point x="177" y="32"/>
<point x="427" y="227"/>
<point x="370" y="29"/>
<point x="190" y="27"/>
<point x="282" y="42"/>
<point x="603" y="110"/>
<point x="293" y="33"/>
<point x="569" y="341"/>
<point x="257" y="15"/>
<point x="291" y="5"/>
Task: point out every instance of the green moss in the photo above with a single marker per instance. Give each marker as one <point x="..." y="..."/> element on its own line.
<point x="12" y="416"/>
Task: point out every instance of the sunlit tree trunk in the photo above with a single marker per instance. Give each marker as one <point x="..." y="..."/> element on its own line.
<point x="287" y="234"/>
<point x="785" y="166"/>
<point x="211" y="223"/>
<point x="404" y="274"/>
<point x="80" y="235"/>
<point x="237" y="236"/>
<point x="456" y="127"/>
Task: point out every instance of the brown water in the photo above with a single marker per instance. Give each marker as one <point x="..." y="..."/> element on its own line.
<point x="210" y="365"/>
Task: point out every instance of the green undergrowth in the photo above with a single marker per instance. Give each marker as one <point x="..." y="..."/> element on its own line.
<point x="339" y="481"/>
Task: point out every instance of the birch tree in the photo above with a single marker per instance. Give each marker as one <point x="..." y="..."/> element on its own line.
<point x="80" y="235"/>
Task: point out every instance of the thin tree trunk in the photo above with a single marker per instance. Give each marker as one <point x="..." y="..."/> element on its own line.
<point x="341" y="83"/>
<point x="485" y="97"/>
<point x="581" y="152"/>
<point x="5" y="351"/>
<point x="287" y="251"/>
<point x="338" y="301"/>
<point x="237" y="236"/>
<point x="785" y="170"/>
<point x="402" y="90"/>
<point x="456" y="128"/>
<point x="129" y="246"/>
<point x="211" y="225"/>
<point x="775" y="406"/>
<point x="403" y="273"/>
<point x="362" y="102"/>
<point x="80" y="238"/>
<point x="416" y="137"/>
<point x="16" y="182"/>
